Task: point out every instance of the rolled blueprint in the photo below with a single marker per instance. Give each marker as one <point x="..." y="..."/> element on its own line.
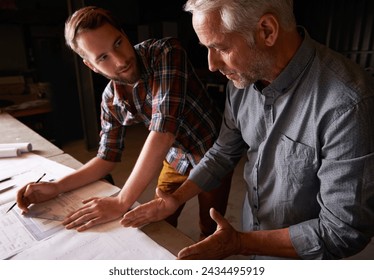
<point x="22" y="147"/>
<point x="9" y="152"/>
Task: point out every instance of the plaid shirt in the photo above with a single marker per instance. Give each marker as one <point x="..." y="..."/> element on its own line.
<point x="169" y="97"/>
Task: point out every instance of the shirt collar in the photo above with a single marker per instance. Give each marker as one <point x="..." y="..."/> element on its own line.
<point x="294" y="69"/>
<point x="299" y="62"/>
<point x="118" y="93"/>
<point x="144" y="73"/>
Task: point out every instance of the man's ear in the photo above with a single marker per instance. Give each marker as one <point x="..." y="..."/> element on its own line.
<point x="89" y="65"/>
<point x="268" y="29"/>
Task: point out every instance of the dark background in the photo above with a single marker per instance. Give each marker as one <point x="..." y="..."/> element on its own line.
<point x="32" y="45"/>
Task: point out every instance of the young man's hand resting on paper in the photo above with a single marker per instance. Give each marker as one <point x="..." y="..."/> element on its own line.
<point x="95" y="211"/>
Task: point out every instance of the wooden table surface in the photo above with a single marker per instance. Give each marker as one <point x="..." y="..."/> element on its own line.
<point x="14" y="131"/>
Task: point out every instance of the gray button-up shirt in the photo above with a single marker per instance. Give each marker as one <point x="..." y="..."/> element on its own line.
<point x="309" y="144"/>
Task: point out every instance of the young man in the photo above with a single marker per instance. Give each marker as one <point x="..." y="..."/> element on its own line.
<point x="154" y="83"/>
<point x="304" y="116"/>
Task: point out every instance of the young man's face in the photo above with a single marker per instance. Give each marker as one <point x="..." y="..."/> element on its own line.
<point x="107" y="51"/>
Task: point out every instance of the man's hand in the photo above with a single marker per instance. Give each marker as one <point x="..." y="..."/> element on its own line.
<point x="153" y="211"/>
<point x="224" y="242"/>
<point x="35" y="193"/>
<point x="95" y="211"/>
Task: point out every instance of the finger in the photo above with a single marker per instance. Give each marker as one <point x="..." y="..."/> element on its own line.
<point x="78" y="212"/>
<point x="27" y="190"/>
<point x="217" y="217"/>
<point x="135" y="223"/>
<point x="126" y="221"/>
<point x="134" y="218"/>
<point x="24" y="205"/>
<point x="22" y="201"/>
<point x="76" y="215"/>
<point x="71" y="218"/>
<point x="79" y="221"/>
<point x="188" y="253"/>
<point x="89" y="200"/>
<point x="86" y="208"/>
<point x="29" y="195"/>
<point x="87" y="225"/>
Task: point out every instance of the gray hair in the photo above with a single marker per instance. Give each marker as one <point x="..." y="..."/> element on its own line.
<point x="242" y="15"/>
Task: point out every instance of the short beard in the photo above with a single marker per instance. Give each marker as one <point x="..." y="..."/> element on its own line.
<point x="259" y="69"/>
<point x="118" y="79"/>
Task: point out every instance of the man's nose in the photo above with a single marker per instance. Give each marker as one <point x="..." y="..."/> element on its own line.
<point x="118" y="59"/>
<point x="213" y="60"/>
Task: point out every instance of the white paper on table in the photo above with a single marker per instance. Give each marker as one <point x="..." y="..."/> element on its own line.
<point x="39" y="238"/>
<point x="108" y="241"/>
<point x="25" y="169"/>
<point x="14" y="237"/>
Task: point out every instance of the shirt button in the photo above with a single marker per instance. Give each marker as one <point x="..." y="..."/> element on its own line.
<point x="255" y="206"/>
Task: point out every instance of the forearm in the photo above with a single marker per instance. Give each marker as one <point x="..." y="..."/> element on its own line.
<point x="90" y="172"/>
<point x="147" y="166"/>
<point x="186" y="191"/>
<point x="268" y="243"/>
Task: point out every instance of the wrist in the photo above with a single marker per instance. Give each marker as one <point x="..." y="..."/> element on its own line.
<point x="123" y="202"/>
<point x="239" y="246"/>
<point x="246" y="243"/>
<point x="185" y="192"/>
<point x="59" y="187"/>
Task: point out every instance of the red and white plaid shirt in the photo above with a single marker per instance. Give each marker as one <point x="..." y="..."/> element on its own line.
<point x="168" y="98"/>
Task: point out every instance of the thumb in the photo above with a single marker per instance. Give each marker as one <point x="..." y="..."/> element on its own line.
<point x="217" y="217"/>
<point x="26" y="191"/>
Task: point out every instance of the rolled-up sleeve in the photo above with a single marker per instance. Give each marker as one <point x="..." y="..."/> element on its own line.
<point x="112" y="130"/>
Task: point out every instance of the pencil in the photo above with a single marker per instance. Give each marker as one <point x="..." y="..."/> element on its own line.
<point x="7" y="189"/>
<point x="15" y="203"/>
<point x="5" y="179"/>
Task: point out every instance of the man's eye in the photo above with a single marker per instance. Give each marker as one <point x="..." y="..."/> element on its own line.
<point x="118" y="43"/>
<point x="222" y="50"/>
<point x="102" y="58"/>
